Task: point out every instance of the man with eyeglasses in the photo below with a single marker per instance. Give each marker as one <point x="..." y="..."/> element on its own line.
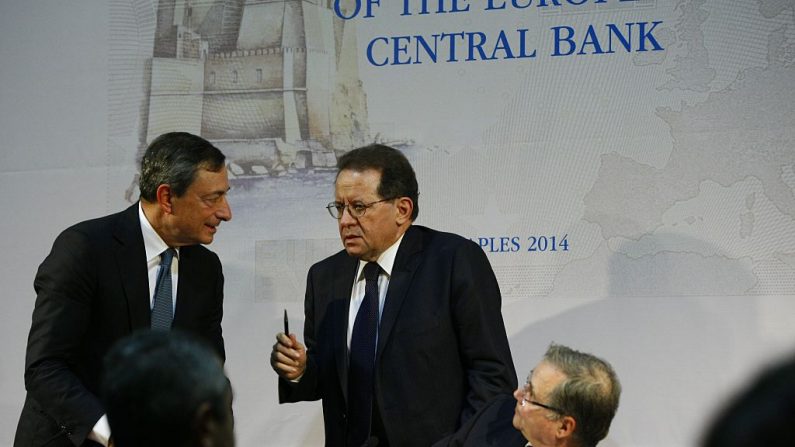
<point x="569" y="400"/>
<point x="404" y="337"/>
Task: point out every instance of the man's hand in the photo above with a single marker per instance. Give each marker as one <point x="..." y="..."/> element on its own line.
<point x="288" y="357"/>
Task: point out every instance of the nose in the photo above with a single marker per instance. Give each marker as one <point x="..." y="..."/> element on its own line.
<point x="518" y="394"/>
<point x="346" y="218"/>
<point x="224" y="211"/>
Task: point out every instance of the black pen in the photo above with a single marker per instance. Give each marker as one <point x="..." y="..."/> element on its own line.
<point x="286" y="324"/>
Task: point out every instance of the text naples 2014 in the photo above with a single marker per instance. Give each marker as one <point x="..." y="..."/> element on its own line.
<point x="467" y="46"/>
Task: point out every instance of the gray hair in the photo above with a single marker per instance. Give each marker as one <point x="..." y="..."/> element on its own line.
<point x="173" y="159"/>
<point x="590" y="392"/>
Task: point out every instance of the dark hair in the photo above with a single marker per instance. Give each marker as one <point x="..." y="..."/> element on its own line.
<point x="761" y="414"/>
<point x="173" y="159"/>
<point x="153" y="384"/>
<point x="397" y="175"/>
<point x="589" y="393"/>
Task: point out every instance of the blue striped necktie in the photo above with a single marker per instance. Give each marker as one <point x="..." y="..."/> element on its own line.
<point x="163" y="308"/>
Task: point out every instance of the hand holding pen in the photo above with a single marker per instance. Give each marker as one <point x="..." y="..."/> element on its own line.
<point x="286" y="324"/>
<point x="288" y="357"/>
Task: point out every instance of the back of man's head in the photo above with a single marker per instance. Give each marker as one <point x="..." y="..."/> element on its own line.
<point x="590" y="392"/>
<point x="761" y="414"/>
<point x="166" y="389"/>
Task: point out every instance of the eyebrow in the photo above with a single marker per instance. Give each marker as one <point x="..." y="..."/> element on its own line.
<point x="529" y="382"/>
<point x="219" y="191"/>
<point x="351" y="203"/>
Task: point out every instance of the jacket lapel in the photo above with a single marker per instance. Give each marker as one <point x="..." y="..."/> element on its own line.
<point x="406" y="262"/>
<point x="187" y="295"/>
<point x="343" y="285"/>
<point x="131" y="261"/>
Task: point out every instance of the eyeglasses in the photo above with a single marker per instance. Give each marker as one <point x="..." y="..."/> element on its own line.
<point x="527" y="398"/>
<point x="356" y="209"/>
<point x="539" y="404"/>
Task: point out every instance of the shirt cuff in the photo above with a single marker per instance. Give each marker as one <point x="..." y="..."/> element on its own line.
<point x="101" y="431"/>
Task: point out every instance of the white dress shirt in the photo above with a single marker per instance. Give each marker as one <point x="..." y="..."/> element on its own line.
<point x="154" y="246"/>
<point x="385" y="261"/>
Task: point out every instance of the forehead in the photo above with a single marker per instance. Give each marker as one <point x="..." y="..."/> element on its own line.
<point x="357" y="183"/>
<point x="207" y="182"/>
<point x="545" y="377"/>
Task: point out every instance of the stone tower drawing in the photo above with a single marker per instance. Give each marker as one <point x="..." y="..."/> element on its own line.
<point x="273" y="83"/>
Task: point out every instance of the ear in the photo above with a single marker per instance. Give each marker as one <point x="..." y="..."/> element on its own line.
<point x="205" y="426"/>
<point x="566" y="426"/>
<point x="164" y="194"/>
<point x="404" y="207"/>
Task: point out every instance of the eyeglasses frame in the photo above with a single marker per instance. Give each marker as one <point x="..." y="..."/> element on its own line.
<point x="365" y="206"/>
<point x="526" y="401"/>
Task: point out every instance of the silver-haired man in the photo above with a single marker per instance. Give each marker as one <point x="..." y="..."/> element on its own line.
<point x="569" y="400"/>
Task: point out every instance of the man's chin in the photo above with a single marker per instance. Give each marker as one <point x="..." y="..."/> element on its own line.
<point x="352" y="252"/>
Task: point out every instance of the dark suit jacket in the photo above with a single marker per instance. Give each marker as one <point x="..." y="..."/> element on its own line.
<point x="492" y="426"/>
<point x="442" y="349"/>
<point x="92" y="290"/>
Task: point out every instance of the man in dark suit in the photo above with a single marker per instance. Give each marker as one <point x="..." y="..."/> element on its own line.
<point x="436" y="350"/>
<point x="98" y="284"/>
<point x="569" y="400"/>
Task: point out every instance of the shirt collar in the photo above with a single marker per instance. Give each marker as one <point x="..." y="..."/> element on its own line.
<point x="153" y="243"/>
<point x="386" y="261"/>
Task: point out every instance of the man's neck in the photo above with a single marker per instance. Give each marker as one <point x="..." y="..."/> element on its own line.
<point x="154" y="216"/>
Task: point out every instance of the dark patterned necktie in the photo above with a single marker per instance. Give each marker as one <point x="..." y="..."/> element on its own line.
<point x="362" y="360"/>
<point x="163" y="308"/>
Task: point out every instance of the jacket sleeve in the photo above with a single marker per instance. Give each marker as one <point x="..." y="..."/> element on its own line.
<point x="214" y="331"/>
<point x="483" y="343"/>
<point x="65" y="286"/>
<point x="307" y="388"/>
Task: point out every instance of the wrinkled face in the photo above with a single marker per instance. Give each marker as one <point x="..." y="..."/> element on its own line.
<point x="195" y="216"/>
<point x="369" y="235"/>
<point x="532" y="420"/>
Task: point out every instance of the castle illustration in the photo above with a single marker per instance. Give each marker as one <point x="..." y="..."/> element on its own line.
<point x="273" y="83"/>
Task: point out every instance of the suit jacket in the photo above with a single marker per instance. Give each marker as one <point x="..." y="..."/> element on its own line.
<point x="442" y="351"/>
<point x="492" y="426"/>
<point x="92" y="290"/>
